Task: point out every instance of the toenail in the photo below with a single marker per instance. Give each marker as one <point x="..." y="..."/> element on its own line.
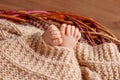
<point x="52" y="31"/>
<point x="69" y="25"/>
<point x="52" y="25"/>
<point x="63" y="24"/>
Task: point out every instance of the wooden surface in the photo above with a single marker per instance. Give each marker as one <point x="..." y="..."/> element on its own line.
<point x="107" y="12"/>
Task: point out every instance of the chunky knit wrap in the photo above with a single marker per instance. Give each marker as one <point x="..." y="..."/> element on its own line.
<point x="103" y="59"/>
<point x="25" y="56"/>
<point x="28" y="57"/>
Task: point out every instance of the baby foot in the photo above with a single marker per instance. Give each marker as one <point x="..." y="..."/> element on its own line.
<point x="70" y="35"/>
<point x="52" y="36"/>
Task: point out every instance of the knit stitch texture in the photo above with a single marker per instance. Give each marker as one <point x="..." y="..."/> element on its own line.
<point x="103" y="59"/>
<point x="25" y="56"/>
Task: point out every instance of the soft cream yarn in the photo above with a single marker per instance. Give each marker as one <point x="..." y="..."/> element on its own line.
<point x="25" y="56"/>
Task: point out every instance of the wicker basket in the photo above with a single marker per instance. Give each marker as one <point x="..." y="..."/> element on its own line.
<point x="92" y="32"/>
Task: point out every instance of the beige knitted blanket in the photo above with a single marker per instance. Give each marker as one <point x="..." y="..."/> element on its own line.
<point x="25" y="56"/>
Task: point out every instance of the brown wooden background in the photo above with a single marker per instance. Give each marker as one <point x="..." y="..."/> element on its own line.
<point x="107" y="12"/>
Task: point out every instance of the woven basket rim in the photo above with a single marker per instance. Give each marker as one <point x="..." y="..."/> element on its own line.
<point x="91" y="30"/>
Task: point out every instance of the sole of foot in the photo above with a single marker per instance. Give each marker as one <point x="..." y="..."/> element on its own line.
<point x="52" y="36"/>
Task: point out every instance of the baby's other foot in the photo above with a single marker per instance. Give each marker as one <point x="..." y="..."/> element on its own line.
<point x="52" y="36"/>
<point x="70" y="35"/>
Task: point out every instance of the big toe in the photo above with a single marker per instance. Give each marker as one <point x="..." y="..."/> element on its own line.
<point x="63" y="29"/>
<point x="57" y="42"/>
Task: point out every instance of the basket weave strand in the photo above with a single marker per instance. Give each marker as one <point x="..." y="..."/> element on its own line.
<point x="93" y="32"/>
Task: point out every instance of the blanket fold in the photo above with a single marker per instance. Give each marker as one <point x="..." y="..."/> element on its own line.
<point x="28" y="57"/>
<point x="24" y="55"/>
<point x="104" y="59"/>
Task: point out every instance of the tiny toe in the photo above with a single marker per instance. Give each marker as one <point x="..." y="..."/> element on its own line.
<point x="53" y="28"/>
<point x="72" y="30"/>
<point x="60" y="41"/>
<point x="79" y="36"/>
<point x="76" y="32"/>
<point x="63" y="29"/>
<point x="55" y="36"/>
<point x="50" y="27"/>
<point x="68" y="30"/>
<point x="55" y="32"/>
<point x="56" y="42"/>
